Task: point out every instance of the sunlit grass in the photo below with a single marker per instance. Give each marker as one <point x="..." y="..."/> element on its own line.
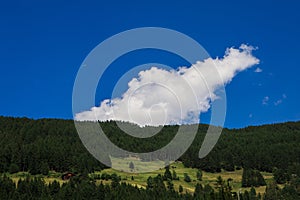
<point x="140" y="179"/>
<point x="136" y="178"/>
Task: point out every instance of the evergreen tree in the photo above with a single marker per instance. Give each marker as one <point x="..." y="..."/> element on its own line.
<point x="44" y="168"/>
<point x="158" y="185"/>
<point x="167" y="174"/>
<point x="246" y="195"/>
<point x="115" y="180"/>
<point x="54" y="188"/>
<point x="252" y="194"/>
<point x="187" y="178"/>
<point x="170" y="185"/>
<point x="252" y="178"/>
<point x="131" y="166"/>
<point x="208" y="192"/>
<point x="260" y="181"/>
<point x="280" y="176"/>
<point x="180" y="189"/>
<point x="7" y="187"/>
<point x="174" y="175"/>
<point x="150" y="183"/>
<point x="272" y="191"/>
<point x="289" y="192"/>
<point x="199" y="175"/>
<point x="13" y="168"/>
<point x="198" y="194"/>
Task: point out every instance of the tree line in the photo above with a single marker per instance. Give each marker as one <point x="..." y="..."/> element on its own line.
<point x="41" y="145"/>
<point x="85" y="187"/>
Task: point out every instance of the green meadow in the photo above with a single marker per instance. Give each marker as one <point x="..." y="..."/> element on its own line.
<point x="136" y="178"/>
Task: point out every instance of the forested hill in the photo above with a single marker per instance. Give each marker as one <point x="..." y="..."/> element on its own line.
<point x="53" y="144"/>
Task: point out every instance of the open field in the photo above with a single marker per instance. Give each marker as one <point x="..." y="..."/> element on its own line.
<point x="140" y="179"/>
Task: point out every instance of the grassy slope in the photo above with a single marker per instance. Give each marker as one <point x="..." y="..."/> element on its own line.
<point x="140" y="179"/>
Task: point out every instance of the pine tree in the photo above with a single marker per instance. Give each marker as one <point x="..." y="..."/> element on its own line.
<point x="260" y="179"/>
<point x="252" y="193"/>
<point x="187" y="178"/>
<point x="115" y="180"/>
<point x="174" y="175"/>
<point x="198" y="191"/>
<point x="280" y="176"/>
<point x="54" y="188"/>
<point x="150" y="183"/>
<point x="44" y="168"/>
<point x="180" y="189"/>
<point x="7" y="187"/>
<point x="199" y="175"/>
<point x="170" y="185"/>
<point x="272" y="191"/>
<point x="252" y="178"/>
<point x="167" y="174"/>
<point x="131" y="166"/>
<point x="13" y="168"/>
<point x="208" y="192"/>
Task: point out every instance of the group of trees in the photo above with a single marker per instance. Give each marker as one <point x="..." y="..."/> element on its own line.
<point x="168" y="175"/>
<point x="290" y="191"/>
<point x="51" y="144"/>
<point x="83" y="187"/>
<point x="262" y="148"/>
<point x="280" y="176"/>
<point x="38" y="146"/>
<point x="41" y="145"/>
<point x="252" y="178"/>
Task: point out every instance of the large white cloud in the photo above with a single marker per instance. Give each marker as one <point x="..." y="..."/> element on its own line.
<point x="160" y="96"/>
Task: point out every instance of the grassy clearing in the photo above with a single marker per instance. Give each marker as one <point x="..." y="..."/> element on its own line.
<point x="140" y="179"/>
<point x="53" y="176"/>
<point x="136" y="178"/>
<point x="122" y="164"/>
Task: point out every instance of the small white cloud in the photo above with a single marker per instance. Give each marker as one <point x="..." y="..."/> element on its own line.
<point x="265" y="100"/>
<point x="250" y="115"/>
<point x="258" y="70"/>
<point x="279" y="101"/>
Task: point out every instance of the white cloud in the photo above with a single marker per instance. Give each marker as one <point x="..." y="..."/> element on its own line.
<point x="279" y="101"/>
<point x="258" y="70"/>
<point x="265" y="100"/>
<point x="154" y="96"/>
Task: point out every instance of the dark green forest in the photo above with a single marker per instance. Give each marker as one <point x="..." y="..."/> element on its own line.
<point x="38" y="146"/>
<point x="53" y="144"/>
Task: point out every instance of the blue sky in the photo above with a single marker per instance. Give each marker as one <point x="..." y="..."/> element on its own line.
<point x="43" y="43"/>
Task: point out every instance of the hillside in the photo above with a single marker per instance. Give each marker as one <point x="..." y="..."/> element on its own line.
<point x="52" y="144"/>
<point x="35" y="153"/>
